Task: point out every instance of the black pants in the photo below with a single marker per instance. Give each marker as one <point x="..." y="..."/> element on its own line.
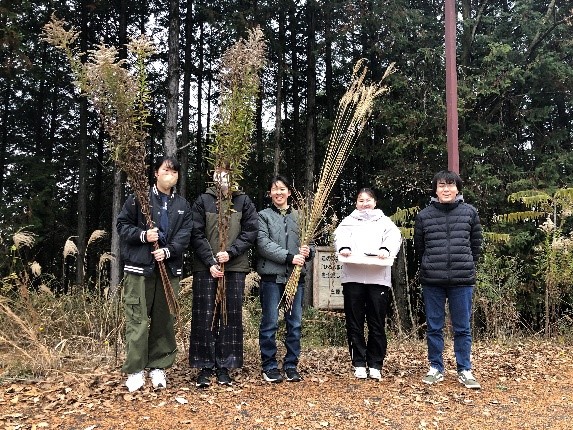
<point x="366" y="302"/>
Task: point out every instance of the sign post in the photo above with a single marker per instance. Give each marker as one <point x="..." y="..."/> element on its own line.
<point x="327" y="290"/>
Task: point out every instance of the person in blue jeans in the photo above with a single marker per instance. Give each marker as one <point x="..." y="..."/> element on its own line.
<point x="279" y="249"/>
<point x="447" y="241"/>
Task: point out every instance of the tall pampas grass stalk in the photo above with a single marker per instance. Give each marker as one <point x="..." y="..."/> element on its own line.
<point x="354" y="110"/>
<point x="233" y="129"/>
<point x="120" y="96"/>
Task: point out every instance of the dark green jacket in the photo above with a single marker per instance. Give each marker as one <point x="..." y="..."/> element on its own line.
<point x="242" y="233"/>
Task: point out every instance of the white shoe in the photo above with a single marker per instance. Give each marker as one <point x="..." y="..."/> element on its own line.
<point x="375" y="374"/>
<point x="158" y="378"/>
<point x="135" y="381"/>
<point x="360" y="372"/>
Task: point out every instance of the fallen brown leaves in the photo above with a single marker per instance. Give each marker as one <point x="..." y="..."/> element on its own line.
<point x="525" y="386"/>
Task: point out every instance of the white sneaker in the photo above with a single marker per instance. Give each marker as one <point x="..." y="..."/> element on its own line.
<point x="158" y="378"/>
<point x="360" y="372"/>
<point x="468" y="380"/>
<point x="135" y="381"/>
<point x="375" y="374"/>
<point x="433" y="376"/>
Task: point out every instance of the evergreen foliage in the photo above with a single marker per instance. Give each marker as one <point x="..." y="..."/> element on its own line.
<point x="515" y="77"/>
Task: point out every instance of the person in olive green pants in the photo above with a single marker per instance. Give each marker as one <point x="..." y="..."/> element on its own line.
<point x="149" y="331"/>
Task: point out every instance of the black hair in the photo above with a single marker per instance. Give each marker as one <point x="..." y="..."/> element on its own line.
<point x="172" y="163"/>
<point x="279" y="178"/>
<point x="448" y="177"/>
<point x="368" y="191"/>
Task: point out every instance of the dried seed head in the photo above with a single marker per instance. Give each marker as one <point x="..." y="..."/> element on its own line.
<point x="251" y="282"/>
<point x="36" y="268"/>
<point x="70" y="248"/>
<point x="548" y="226"/>
<point x="24" y="238"/>
<point x="97" y="234"/>
<point x="105" y="257"/>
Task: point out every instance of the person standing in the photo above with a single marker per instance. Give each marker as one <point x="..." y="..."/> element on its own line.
<point x="367" y="242"/>
<point x="149" y="330"/>
<point x="216" y="344"/>
<point x="447" y="241"/>
<point x="279" y="248"/>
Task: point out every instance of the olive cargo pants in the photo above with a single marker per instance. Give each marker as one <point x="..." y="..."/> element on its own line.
<point x="149" y="327"/>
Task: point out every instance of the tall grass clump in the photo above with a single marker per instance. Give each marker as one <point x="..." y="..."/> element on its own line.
<point x="497" y="286"/>
<point x="41" y="330"/>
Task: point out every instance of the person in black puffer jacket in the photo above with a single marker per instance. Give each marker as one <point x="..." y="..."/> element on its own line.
<point x="149" y="332"/>
<point x="447" y="240"/>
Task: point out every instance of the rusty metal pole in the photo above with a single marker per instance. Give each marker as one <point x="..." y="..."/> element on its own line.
<point x="451" y="87"/>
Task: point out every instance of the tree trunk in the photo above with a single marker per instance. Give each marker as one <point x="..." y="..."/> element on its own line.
<point x="4" y="135"/>
<point x="310" y="98"/>
<point x="117" y="202"/>
<point x="310" y="121"/>
<point x="186" y="105"/>
<point x="259" y="148"/>
<point x="172" y="102"/>
<point x="294" y="70"/>
<point x="200" y="74"/>
<point x="83" y="161"/>
<point x="328" y="36"/>
<point x="278" y="100"/>
<point x="118" y="178"/>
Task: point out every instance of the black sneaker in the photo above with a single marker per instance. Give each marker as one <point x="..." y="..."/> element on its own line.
<point x="292" y="375"/>
<point x="273" y="375"/>
<point x="223" y="377"/>
<point x="204" y="378"/>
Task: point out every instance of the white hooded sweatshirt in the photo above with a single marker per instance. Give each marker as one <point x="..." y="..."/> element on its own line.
<point x="367" y="232"/>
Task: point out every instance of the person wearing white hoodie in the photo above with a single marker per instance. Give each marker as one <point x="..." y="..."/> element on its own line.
<point x="366" y="242"/>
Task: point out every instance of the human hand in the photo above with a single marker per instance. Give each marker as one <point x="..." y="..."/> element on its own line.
<point x="383" y="254"/>
<point x="216" y="272"/>
<point x="298" y="260"/>
<point x="159" y="254"/>
<point x="222" y="257"/>
<point x="152" y="235"/>
<point x="304" y="251"/>
<point x="345" y="253"/>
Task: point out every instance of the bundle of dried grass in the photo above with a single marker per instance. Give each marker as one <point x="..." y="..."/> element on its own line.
<point x="120" y="96"/>
<point x="354" y="110"/>
<point x="239" y="79"/>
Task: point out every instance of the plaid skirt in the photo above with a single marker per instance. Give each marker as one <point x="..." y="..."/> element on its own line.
<point x="217" y="345"/>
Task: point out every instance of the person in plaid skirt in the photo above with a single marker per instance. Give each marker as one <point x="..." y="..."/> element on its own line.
<point x="216" y="345"/>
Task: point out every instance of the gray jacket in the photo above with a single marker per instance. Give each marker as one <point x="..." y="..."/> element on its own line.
<point x="278" y="241"/>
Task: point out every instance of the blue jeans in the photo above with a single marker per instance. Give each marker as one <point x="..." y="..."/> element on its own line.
<point x="460" y="305"/>
<point x="270" y="295"/>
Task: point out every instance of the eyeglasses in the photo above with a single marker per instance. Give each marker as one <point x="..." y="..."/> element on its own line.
<point x="444" y="185"/>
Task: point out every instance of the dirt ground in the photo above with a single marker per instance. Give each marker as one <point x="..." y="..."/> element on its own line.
<point x="525" y="385"/>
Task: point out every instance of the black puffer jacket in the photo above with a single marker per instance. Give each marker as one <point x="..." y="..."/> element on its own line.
<point x="131" y="227"/>
<point x="447" y="240"/>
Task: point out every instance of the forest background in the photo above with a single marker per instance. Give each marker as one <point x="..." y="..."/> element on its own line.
<point x="515" y="79"/>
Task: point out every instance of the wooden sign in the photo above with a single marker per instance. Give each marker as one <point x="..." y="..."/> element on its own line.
<point x="326" y="288"/>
